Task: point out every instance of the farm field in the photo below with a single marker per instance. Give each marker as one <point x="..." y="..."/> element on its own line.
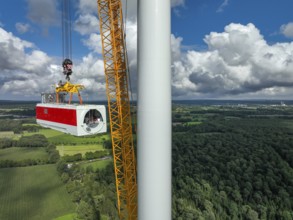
<point x="33" y="193"/>
<point x="98" y="164"/>
<point x="66" y="217"/>
<point x="23" y="153"/>
<point x="7" y="134"/>
<point x="57" y="137"/>
<point x="193" y="123"/>
<point x="75" y="149"/>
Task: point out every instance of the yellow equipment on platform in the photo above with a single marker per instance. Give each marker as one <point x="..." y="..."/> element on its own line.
<point x="69" y="88"/>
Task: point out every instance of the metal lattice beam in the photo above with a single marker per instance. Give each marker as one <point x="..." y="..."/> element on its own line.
<point x="113" y="45"/>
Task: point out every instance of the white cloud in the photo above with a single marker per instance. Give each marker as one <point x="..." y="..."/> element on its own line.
<point x="131" y="41"/>
<point x="175" y="3"/>
<point x="90" y="73"/>
<point x="237" y="44"/>
<point x="87" y="6"/>
<point x="287" y="30"/>
<point x="22" y="27"/>
<point x="26" y="72"/>
<point x="89" y="67"/>
<point x="86" y="24"/>
<point x="94" y="43"/>
<point x="176" y="47"/>
<point x="12" y="54"/>
<point x="223" y="6"/>
<point x="20" y="87"/>
<point x="43" y="12"/>
<point x="239" y="62"/>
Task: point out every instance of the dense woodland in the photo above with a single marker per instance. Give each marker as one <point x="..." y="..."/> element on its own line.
<point x="233" y="165"/>
<point x="228" y="163"/>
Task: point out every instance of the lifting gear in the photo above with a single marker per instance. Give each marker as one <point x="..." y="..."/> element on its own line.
<point x="67" y="68"/>
<point x="69" y="88"/>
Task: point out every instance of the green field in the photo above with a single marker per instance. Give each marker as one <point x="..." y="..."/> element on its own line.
<point x="75" y="149"/>
<point x="99" y="164"/>
<point x="33" y="193"/>
<point x="58" y="137"/>
<point x="66" y="217"/>
<point x="23" y="153"/>
<point x="31" y="124"/>
<point x="47" y="132"/>
<point x="193" y="123"/>
<point x="6" y="134"/>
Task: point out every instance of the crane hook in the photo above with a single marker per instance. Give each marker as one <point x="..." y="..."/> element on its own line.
<point x="67" y="68"/>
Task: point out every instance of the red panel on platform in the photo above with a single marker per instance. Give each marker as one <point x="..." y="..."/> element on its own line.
<point x="59" y="115"/>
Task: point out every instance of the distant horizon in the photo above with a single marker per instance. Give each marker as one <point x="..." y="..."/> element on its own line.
<point x="203" y="99"/>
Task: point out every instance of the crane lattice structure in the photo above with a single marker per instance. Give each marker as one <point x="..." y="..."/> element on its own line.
<point x="115" y="64"/>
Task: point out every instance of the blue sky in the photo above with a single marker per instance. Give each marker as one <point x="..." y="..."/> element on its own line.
<point x="227" y="49"/>
<point x="198" y="18"/>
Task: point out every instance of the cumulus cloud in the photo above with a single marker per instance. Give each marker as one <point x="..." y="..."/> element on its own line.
<point x="43" y="12"/>
<point x="21" y="65"/>
<point x="287" y="30"/>
<point x="93" y="42"/>
<point x="12" y="50"/>
<point x="22" y="27"/>
<point x="90" y="73"/>
<point x="26" y="71"/>
<point x="176" y="47"/>
<point x="238" y="62"/>
<point x="87" y="6"/>
<point x="86" y="24"/>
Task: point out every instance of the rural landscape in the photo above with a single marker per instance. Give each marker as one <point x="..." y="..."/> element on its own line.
<point x="230" y="160"/>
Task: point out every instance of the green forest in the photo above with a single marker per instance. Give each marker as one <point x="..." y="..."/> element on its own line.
<point x="234" y="164"/>
<point x="228" y="162"/>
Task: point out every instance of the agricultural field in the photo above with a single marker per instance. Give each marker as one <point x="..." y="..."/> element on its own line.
<point x="33" y="193"/>
<point x="23" y="153"/>
<point x="69" y="145"/>
<point x="7" y="134"/>
<point x="75" y="149"/>
<point x="98" y="164"/>
<point x="66" y="217"/>
<point x="59" y="138"/>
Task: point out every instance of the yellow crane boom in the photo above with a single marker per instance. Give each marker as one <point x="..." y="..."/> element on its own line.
<point x="115" y="65"/>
